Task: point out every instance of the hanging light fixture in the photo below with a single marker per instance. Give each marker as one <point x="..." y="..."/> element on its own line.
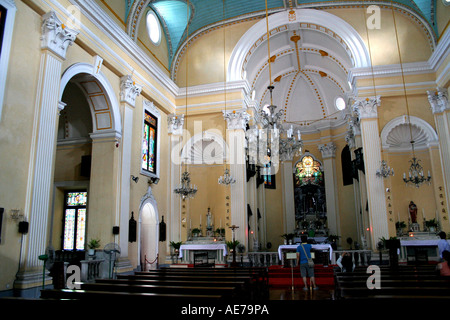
<point x="185" y="189"/>
<point x="272" y="141"/>
<point x="384" y="171"/>
<point x="415" y="177"/>
<point x="226" y="179"/>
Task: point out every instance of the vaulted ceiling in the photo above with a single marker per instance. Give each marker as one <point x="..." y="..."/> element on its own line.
<point x="311" y="58"/>
<point x="205" y="14"/>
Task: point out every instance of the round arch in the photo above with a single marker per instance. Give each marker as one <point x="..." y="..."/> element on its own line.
<point x="357" y="48"/>
<point x="101" y="98"/>
<point x="396" y="135"/>
<point x="148" y="233"/>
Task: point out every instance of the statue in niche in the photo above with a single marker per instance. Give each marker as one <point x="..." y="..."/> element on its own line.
<point x="413" y="212"/>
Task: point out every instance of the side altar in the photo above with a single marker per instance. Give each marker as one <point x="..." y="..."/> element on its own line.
<point x="215" y="249"/>
<point x="212" y="245"/>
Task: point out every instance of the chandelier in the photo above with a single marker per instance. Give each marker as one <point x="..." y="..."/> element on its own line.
<point x="416" y="176"/>
<point x="185" y="189"/>
<point x="272" y="142"/>
<point x="226" y="179"/>
<point x="384" y="171"/>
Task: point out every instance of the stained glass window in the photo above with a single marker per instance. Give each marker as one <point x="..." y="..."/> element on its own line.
<point x="149" y="142"/>
<point x="75" y="220"/>
<point x="308" y="171"/>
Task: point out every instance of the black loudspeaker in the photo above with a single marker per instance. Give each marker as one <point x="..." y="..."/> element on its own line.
<point x="85" y="170"/>
<point x="23" y="227"/>
<point x="116" y="230"/>
<point x="132" y="228"/>
<point x="162" y="230"/>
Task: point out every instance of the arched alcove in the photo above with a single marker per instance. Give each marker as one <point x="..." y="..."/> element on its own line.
<point x="148" y="231"/>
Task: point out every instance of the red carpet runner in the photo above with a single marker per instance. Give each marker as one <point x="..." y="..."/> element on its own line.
<point x="280" y="276"/>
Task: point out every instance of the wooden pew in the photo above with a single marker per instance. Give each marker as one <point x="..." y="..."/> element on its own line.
<point x="400" y="282"/>
<point x="84" y="295"/>
<point x="226" y="292"/>
<point x="250" y="287"/>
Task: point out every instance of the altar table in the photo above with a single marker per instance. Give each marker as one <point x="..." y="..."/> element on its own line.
<point x="292" y="247"/>
<point x="187" y="251"/>
<point x="431" y="245"/>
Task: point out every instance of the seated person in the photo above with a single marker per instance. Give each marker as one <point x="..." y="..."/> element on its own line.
<point x="444" y="267"/>
<point x="345" y="262"/>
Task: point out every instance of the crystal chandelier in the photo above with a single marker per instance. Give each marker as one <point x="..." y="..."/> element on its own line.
<point x="416" y="176"/>
<point x="185" y="189"/>
<point x="226" y="179"/>
<point x="384" y="171"/>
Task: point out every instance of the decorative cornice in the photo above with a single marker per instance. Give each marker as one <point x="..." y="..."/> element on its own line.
<point x="56" y="37"/>
<point x="438" y="100"/>
<point x="129" y="90"/>
<point x="366" y="108"/>
<point x="175" y="124"/>
<point x="236" y="119"/>
<point x="328" y="150"/>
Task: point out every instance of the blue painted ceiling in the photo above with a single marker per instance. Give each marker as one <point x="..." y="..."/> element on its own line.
<point x="203" y="13"/>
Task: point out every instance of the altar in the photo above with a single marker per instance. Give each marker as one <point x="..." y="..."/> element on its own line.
<point x="293" y="247"/>
<point x="409" y="247"/>
<point x="219" y="250"/>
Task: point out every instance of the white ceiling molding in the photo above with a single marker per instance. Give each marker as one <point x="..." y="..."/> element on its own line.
<point x="329" y="21"/>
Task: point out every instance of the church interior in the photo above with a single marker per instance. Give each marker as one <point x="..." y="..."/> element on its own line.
<point x="184" y="135"/>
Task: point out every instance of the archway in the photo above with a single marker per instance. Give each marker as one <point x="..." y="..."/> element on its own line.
<point x="89" y="113"/>
<point x="148" y="232"/>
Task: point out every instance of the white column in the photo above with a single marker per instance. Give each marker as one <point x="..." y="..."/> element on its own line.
<point x="441" y="109"/>
<point x="288" y="196"/>
<point x="329" y="167"/>
<point x="54" y="42"/>
<point x="236" y="123"/>
<point x="366" y="109"/>
<point x="175" y="131"/>
<point x="128" y="93"/>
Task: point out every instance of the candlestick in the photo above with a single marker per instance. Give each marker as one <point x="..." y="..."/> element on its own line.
<point x="423" y="213"/>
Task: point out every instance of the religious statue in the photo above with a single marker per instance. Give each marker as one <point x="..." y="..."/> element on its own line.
<point x="208" y="220"/>
<point x="413" y="212"/>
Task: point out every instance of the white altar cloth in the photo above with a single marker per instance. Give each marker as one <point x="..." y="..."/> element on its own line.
<point x="213" y="246"/>
<point x="430" y="242"/>
<point x="313" y="246"/>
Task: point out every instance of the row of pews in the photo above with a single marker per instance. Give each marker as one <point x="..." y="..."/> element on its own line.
<point x="401" y="282"/>
<point x="199" y="284"/>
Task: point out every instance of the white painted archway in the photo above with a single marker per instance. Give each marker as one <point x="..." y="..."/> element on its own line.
<point x="353" y="41"/>
<point x="101" y="97"/>
<point x="148" y="232"/>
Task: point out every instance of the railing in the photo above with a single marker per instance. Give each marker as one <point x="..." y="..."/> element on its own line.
<point x="263" y="259"/>
<point x="359" y="257"/>
<point x="90" y="269"/>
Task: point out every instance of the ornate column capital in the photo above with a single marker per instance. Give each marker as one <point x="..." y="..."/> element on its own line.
<point x="175" y="124"/>
<point x="129" y="90"/>
<point x="438" y="100"/>
<point x="328" y="150"/>
<point x="236" y="119"/>
<point x="56" y="37"/>
<point x="366" y="108"/>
